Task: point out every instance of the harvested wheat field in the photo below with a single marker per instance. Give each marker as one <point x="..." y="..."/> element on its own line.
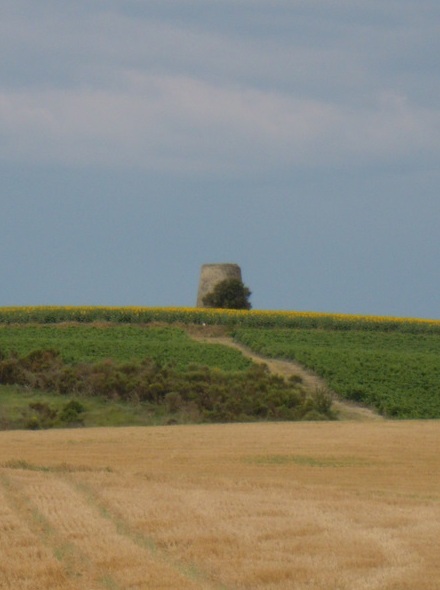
<point x="290" y="505"/>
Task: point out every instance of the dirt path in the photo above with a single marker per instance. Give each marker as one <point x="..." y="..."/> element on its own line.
<point x="346" y="410"/>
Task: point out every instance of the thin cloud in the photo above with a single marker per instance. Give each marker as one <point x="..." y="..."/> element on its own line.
<point x="125" y="85"/>
<point x="168" y="121"/>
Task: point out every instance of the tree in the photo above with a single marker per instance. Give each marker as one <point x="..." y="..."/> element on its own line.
<point x="229" y="294"/>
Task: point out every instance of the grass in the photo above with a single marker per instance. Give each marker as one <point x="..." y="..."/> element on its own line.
<point x="261" y="506"/>
<point x="307" y="461"/>
<point x="15" y="410"/>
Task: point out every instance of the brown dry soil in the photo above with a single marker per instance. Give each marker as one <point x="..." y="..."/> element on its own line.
<point x="345" y="410"/>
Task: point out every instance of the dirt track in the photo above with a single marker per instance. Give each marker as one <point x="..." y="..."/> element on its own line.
<point x="345" y="410"/>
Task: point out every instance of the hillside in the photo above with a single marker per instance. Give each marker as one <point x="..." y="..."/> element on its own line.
<point x="72" y="374"/>
<point x="387" y="364"/>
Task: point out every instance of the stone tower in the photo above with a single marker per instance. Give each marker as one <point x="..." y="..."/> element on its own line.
<point x="211" y="274"/>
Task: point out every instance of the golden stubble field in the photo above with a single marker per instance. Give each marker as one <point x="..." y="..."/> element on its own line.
<point x="293" y="505"/>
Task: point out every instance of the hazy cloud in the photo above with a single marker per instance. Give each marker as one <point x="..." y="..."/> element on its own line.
<point x="119" y="84"/>
<point x="168" y="122"/>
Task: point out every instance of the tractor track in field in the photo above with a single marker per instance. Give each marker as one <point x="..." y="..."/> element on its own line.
<point x="346" y="410"/>
<point x="92" y="545"/>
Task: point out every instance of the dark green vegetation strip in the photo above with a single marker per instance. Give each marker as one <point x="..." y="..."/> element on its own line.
<point x="306" y="461"/>
<point x="397" y="373"/>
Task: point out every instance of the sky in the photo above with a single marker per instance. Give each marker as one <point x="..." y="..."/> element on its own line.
<point x="299" y="139"/>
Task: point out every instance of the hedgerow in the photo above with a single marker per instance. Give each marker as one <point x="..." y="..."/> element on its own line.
<point x="209" y="394"/>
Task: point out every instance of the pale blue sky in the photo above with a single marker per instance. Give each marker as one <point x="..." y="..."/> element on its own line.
<point x="299" y="139"/>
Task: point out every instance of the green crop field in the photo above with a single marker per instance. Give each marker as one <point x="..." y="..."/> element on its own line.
<point x="398" y="373"/>
<point x="91" y="343"/>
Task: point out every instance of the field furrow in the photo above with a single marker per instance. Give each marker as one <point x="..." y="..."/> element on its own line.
<point x="26" y="539"/>
<point x="89" y="544"/>
<point x="268" y="538"/>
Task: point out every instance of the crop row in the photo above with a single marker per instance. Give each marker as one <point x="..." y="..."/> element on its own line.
<point x="87" y="343"/>
<point x="226" y="317"/>
<point x="397" y="373"/>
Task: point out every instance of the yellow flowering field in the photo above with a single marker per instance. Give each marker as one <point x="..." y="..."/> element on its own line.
<point x="226" y="317"/>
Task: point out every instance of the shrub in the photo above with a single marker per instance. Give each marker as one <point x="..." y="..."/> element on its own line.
<point x="173" y="401"/>
<point x="43" y="416"/>
<point x="71" y="412"/>
<point x="33" y="423"/>
<point x="229" y="294"/>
